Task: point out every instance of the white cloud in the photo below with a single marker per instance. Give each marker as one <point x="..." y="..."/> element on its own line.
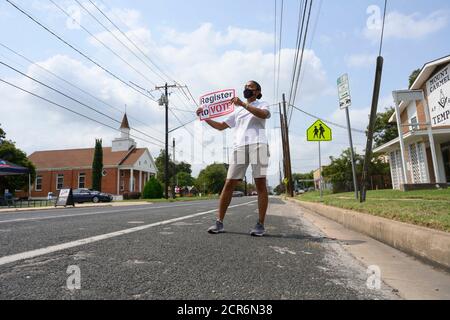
<point x="361" y="60"/>
<point x="413" y="26"/>
<point x="206" y="38"/>
<point x="204" y="58"/>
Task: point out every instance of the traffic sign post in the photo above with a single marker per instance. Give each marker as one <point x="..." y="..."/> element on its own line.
<point x="345" y="102"/>
<point x="319" y="132"/>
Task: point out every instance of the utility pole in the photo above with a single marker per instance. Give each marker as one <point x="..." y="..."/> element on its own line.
<point x="174" y="171"/>
<point x="245" y="185"/>
<point x="165" y="102"/>
<point x="283" y="145"/>
<point x="373" y="118"/>
<point x="290" y="184"/>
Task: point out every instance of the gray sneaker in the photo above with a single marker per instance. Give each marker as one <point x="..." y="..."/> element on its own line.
<point x="217" y="228"/>
<point x="258" y="231"/>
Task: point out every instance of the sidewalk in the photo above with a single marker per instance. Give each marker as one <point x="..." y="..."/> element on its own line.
<point x="423" y="243"/>
<point x="84" y="205"/>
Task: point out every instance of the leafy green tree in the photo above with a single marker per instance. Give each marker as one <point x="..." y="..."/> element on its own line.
<point x="185" y="179"/>
<point x="340" y="174"/>
<point x="160" y="162"/>
<point x="280" y="189"/>
<point x="413" y="77"/>
<point x="304" y="176"/>
<point x="384" y="131"/>
<point x="183" y="167"/>
<point x="2" y="135"/>
<point x="9" y="152"/>
<point x="97" y="166"/>
<point x="212" y="178"/>
<point x="153" y="189"/>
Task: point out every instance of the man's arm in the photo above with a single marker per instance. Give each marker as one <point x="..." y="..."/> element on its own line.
<point x="216" y="125"/>
<point x="257" y="112"/>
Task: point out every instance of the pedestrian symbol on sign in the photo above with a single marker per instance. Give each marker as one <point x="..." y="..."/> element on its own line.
<point x="319" y="131"/>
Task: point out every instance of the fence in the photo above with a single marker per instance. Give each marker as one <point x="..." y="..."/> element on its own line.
<point x="26" y="203"/>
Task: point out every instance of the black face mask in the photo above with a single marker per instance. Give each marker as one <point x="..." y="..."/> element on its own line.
<point x="248" y="93"/>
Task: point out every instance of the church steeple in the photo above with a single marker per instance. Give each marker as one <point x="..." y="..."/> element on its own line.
<point x="124" y="143"/>
<point x="125" y="124"/>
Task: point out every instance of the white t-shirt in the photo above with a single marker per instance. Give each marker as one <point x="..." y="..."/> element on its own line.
<point x="248" y="128"/>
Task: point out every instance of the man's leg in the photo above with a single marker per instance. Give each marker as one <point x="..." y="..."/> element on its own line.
<point x="225" y="198"/>
<point x="263" y="198"/>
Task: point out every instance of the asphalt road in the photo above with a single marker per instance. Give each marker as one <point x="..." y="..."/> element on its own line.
<point x="162" y="251"/>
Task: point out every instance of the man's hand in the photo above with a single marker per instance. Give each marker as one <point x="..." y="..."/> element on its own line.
<point x="238" y="102"/>
<point x="199" y="112"/>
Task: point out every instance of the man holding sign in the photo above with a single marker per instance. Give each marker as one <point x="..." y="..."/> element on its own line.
<point x="250" y="147"/>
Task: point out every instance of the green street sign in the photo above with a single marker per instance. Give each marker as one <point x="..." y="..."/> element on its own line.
<point x="319" y="131"/>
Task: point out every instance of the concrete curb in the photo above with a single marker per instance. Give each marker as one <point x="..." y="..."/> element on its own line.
<point x="26" y="209"/>
<point x="430" y="245"/>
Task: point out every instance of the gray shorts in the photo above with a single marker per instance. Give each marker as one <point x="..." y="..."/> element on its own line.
<point x="256" y="155"/>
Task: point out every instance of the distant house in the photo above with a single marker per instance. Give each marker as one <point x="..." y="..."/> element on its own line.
<point x="126" y="167"/>
<point x="434" y="82"/>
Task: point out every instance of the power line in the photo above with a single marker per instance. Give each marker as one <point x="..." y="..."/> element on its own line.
<point x="275" y="51"/>
<point x="382" y="30"/>
<point x="300" y="24"/>
<point x="71" y="98"/>
<point x="279" y="49"/>
<point x="125" y="45"/>
<point x="70" y="110"/>
<point x="310" y="46"/>
<point x="75" y="86"/>
<point x="129" y="38"/>
<point x="295" y="88"/>
<point x="327" y="121"/>
<point x="126" y="36"/>
<point x="76" y="49"/>
<point x="102" y="43"/>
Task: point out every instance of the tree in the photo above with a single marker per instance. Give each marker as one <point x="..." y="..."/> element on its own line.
<point x="340" y="174"/>
<point x="304" y="176"/>
<point x="153" y="189"/>
<point x="384" y="131"/>
<point x="9" y="152"/>
<point x="280" y="189"/>
<point x="183" y="167"/>
<point x="2" y="135"/>
<point x="212" y="178"/>
<point x="184" y="179"/>
<point x="97" y="166"/>
<point x="160" y="163"/>
<point x="413" y="77"/>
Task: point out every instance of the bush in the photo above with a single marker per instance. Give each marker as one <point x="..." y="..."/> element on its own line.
<point x="153" y="189"/>
<point x="131" y="195"/>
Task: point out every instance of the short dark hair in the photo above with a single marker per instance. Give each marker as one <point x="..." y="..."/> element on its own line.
<point x="258" y="87"/>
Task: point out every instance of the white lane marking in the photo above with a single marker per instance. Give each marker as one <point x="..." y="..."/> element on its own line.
<point x="89" y="214"/>
<point x="283" y="250"/>
<point x="136" y="222"/>
<point x="77" y="243"/>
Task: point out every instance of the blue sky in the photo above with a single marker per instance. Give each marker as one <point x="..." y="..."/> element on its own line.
<point x="216" y="44"/>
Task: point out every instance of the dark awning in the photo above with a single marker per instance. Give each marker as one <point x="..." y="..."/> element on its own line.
<point x="11" y="169"/>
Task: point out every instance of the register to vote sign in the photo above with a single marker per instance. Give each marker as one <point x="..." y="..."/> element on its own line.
<point x="217" y="104"/>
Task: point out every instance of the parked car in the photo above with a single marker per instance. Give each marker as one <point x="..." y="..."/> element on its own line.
<point x="86" y="195"/>
<point x="300" y="191"/>
<point x="238" y="194"/>
<point x="254" y="193"/>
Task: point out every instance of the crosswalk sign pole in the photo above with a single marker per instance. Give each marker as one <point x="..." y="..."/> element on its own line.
<point x="320" y="173"/>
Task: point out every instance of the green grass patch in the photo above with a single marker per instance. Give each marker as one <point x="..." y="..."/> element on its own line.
<point x="428" y="208"/>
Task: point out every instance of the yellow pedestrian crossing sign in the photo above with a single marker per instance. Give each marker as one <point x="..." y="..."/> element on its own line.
<point x="319" y="131"/>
